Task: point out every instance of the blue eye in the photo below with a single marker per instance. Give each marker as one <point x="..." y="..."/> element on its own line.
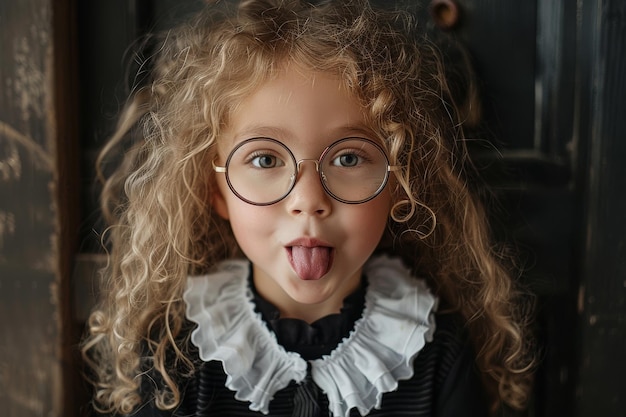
<point x="266" y="161"/>
<point x="347" y="160"/>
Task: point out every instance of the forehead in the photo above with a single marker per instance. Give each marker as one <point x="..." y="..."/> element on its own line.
<point x="297" y="105"/>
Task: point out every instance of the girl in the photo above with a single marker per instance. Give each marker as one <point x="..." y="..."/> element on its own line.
<point x="291" y="234"/>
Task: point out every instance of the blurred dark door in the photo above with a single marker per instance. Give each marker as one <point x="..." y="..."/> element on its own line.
<point x="552" y="83"/>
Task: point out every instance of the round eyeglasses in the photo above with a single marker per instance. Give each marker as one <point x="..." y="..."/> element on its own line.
<point x="263" y="171"/>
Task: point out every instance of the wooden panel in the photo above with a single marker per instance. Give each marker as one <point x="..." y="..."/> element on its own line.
<point x="30" y="371"/>
<point x="35" y="234"/>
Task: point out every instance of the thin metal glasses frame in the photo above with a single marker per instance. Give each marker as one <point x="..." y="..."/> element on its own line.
<point x="296" y="163"/>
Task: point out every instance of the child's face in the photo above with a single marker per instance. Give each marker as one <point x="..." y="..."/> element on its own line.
<point x="308" y="249"/>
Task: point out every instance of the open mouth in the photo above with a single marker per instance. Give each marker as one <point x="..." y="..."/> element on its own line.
<point x="310" y="262"/>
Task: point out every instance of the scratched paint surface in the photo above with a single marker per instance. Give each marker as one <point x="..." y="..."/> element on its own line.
<point x="30" y="380"/>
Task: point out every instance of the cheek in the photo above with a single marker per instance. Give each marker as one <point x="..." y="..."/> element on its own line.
<point x="369" y="221"/>
<point x="250" y="224"/>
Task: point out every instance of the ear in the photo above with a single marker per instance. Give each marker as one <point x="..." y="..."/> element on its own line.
<point x="218" y="202"/>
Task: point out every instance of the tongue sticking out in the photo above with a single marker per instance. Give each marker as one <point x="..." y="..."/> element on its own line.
<point x="310" y="263"/>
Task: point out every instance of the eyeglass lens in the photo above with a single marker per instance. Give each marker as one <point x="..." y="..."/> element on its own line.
<point x="263" y="171"/>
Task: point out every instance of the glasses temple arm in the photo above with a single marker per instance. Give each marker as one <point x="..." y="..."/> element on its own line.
<point x="218" y="168"/>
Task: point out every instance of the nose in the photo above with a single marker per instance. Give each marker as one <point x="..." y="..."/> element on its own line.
<point x="308" y="195"/>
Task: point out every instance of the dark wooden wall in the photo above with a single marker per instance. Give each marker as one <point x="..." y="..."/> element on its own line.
<point x="38" y="207"/>
<point x="552" y="82"/>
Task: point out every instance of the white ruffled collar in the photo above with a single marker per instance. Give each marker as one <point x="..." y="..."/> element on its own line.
<point x="398" y="320"/>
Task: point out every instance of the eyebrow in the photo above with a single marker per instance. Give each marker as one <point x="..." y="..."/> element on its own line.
<point x="273" y="132"/>
<point x="253" y="131"/>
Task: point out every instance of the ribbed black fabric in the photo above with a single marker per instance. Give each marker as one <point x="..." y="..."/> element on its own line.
<point x="306" y="399"/>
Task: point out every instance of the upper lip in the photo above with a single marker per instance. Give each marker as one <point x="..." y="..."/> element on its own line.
<point x="308" y="242"/>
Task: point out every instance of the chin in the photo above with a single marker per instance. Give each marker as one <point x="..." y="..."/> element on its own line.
<point x="310" y="296"/>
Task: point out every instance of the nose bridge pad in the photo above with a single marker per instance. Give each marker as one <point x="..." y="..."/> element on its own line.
<point x="315" y="161"/>
<point x="321" y="174"/>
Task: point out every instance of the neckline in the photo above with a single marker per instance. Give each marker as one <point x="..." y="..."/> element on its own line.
<point x="316" y="339"/>
<point x="397" y="321"/>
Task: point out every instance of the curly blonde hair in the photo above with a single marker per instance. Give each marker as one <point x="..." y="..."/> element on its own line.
<point x="158" y="200"/>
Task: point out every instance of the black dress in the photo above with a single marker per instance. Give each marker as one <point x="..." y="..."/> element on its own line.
<point x="444" y="383"/>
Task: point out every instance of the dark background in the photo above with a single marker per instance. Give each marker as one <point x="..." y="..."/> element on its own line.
<point x="551" y="77"/>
